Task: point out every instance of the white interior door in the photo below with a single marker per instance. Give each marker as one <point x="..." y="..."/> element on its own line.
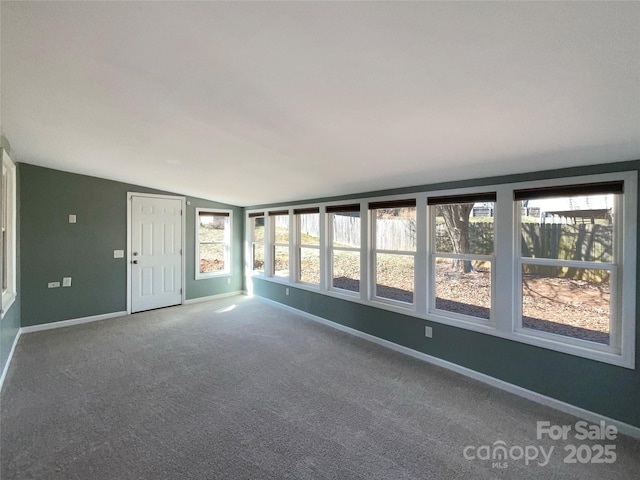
<point x="156" y="252"/>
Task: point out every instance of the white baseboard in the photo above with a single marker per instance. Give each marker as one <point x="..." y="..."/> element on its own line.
<point x="593" y="417"/>
<point x="8" y="362"/>
<point x="73" y="321"/>
<point x="213" y="297"/>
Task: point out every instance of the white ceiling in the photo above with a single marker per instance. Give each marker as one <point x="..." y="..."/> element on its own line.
<point x="250" y="103"/>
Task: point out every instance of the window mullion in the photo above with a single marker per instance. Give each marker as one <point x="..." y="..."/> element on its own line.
<point x="567" y="263"/>
<point x="294" y="245"/>
<point x="268" y="246"/>
<point x="365" y="252"/>
<point x="371" y="254"/>
<point x="465" y="256"/>
<point x="421" y="258"/>
<point x="506" y="237"/>
<point x="627" y="248"/>
<point x="324" y="272"/>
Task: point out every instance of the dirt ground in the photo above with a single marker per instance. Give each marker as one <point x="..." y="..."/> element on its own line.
<point x="573" y="308"/>
<point x="566" y="307"/>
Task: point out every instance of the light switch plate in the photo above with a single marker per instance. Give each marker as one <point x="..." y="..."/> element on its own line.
<point x="118" y="254"/>
<point x="72" y="219"/>
<point x="66" y="282"/>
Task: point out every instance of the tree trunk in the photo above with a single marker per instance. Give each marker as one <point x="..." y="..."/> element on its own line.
<point x="456" y="218"/>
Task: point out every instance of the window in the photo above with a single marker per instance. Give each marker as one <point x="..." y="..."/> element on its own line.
<point x="280" y="240"/>
<point x="549" y="263"/>
<point x="308" y="229"/>
<point x="394" y="249"/>
<point x="462" y="255"/>
<point x="569" y="262"/>
<point x="213" y="247"/>
<point x="256" y="232"/>
<point x="8" y="239"/>
<point x="344" y="247"/>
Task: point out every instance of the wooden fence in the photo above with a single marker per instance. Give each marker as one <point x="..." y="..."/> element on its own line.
<point x="393" y="234"/>
<point x="586" y="242"/>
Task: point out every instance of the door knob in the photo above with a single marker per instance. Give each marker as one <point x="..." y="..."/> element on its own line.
<point x="135" y="254"/>
<point x="135" y="262"/>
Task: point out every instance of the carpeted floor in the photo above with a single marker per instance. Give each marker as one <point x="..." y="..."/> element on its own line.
<point x="242" y="389"/>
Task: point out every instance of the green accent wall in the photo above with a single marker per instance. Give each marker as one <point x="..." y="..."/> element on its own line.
<point x="53" y="248"/>
<point x="595" y="386"/>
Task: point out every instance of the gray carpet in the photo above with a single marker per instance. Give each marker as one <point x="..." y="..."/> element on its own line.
<point x="241" y="389"/>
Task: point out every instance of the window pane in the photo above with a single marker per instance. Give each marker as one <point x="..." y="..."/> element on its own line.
<point x="5" y="259"/>
<point x="281" y="223"/>
<point x="258" y="258"/>
<point x="212" y="258"/>
<point x="309" y="224"/>
<point x="258" y="228"/>
<point x="569" y="228"/>
<point x="396" y="229"/>
<point x="5" y="198"/>
<point x="573" y="302"/>
<point x="212" y="227"/>
<point x="394" y="277"/>
<point x="346" y="270"/>
<point x="463" y="286"/>
<point x="5" y="216"/>
<point x="310" y="265"/>
<point x="465" y="228"/>
<point x="281" y="260"/>
<point x="346" y="229"/>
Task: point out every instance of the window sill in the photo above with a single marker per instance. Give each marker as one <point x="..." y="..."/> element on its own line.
<point x="208" y="276"/>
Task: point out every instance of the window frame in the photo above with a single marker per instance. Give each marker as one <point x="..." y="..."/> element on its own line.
<point x="504" y="269"/>
<point x="251" y="243"/>
<point x="272" y="245"/>
<point x="434" y="202"/>
<point x="621" y="348"/>
<point x="228" y="213"/>
<point x="374" y="251"/>
<point x="9" y="223"/>
<point x="331" y="248"/>
<point x="297" y="212"/>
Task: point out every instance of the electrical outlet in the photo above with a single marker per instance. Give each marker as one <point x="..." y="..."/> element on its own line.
<point x="428" y="332"/>
<point x="286" y="291"/>
<point x="228" y="281"/>
<point x="66" y="282"/>
<point x="53" y="284"/>
<point x="72" y="219"/>
<point x="118" y="254"/>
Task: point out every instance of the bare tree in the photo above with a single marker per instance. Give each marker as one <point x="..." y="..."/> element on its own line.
<point x="456" y="218"/>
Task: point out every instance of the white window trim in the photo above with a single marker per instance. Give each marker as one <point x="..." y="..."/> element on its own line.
<point x="228" y="244"/>
<point x="274" y="244"/>
<point x="623" y="269"/>
<point x="504" y="267"/>
<point x="433" y="254"/>
<point x="297" y="238"/>
<point x="9" y="295"/>
<point x="374" y="251"/>
<point x="250" y="272"/>
<point x="331" y="249"/>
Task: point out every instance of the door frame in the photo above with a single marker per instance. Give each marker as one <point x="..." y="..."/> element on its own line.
<point x="183" y="207"/>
